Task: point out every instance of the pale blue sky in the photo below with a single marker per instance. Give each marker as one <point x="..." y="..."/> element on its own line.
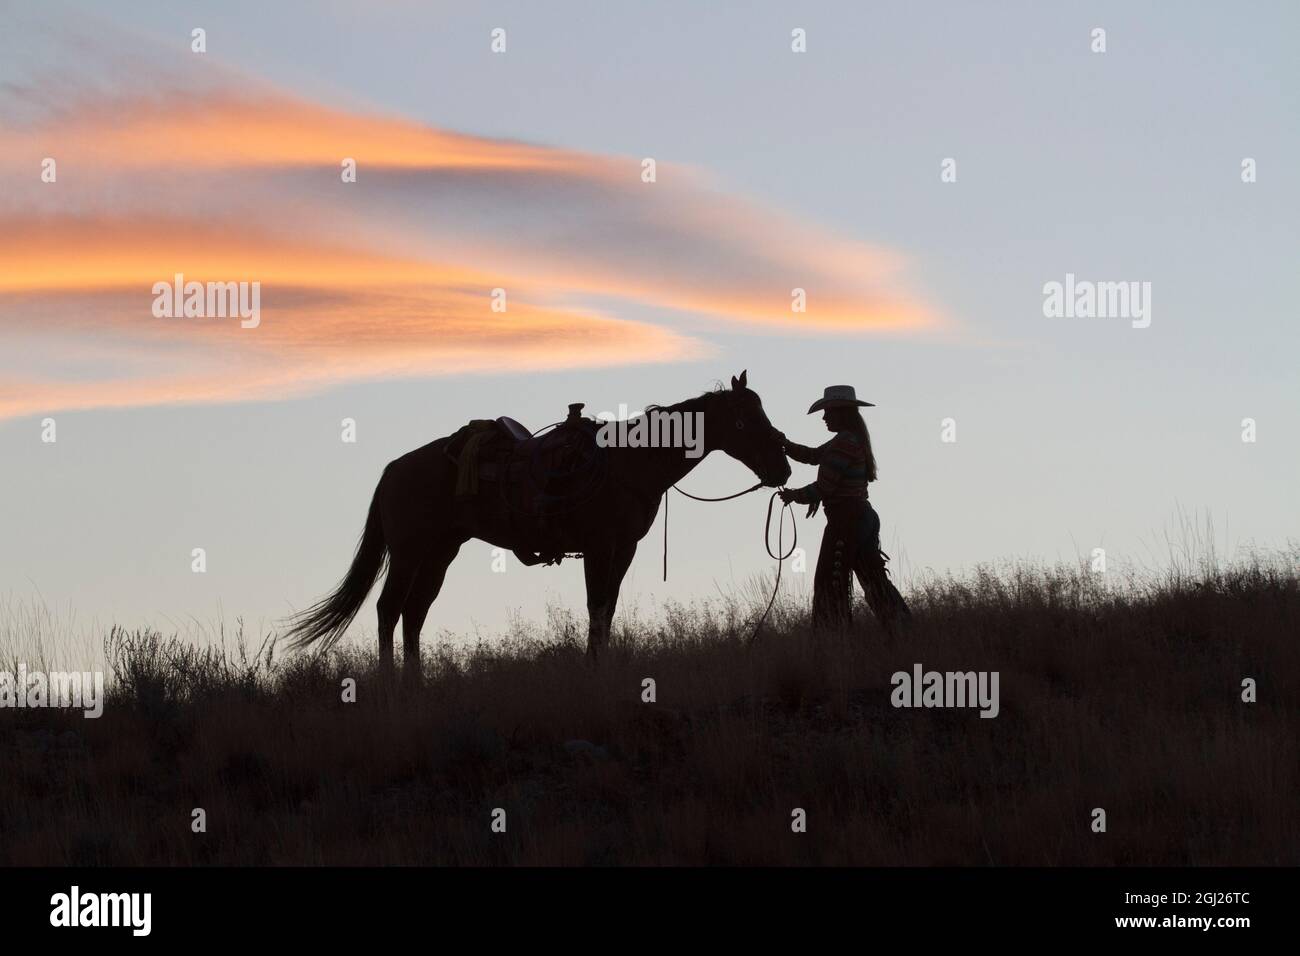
<point x="1071" y="433"/>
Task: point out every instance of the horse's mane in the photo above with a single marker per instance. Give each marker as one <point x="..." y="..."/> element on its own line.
<point x="717" y="389"/>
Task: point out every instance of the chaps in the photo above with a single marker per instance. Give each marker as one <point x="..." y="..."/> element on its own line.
<point x="851" y="547"/>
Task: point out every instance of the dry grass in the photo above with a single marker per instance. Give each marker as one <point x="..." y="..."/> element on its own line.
<point x="1124" y="696"/>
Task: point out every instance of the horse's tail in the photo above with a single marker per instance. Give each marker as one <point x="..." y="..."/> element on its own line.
<point x="328" y="618"/>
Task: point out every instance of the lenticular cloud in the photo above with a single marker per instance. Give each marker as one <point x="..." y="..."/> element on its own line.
<point x="445" y="253"/>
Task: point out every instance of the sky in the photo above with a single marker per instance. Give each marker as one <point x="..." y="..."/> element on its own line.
<point x="828" y="170"/>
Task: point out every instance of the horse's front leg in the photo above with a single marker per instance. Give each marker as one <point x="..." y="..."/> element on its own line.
<point x="608" y="573"/>
<point x="596" y="565"/>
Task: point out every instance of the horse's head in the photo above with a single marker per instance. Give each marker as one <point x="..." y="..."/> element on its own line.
<point x="741" y="429"/>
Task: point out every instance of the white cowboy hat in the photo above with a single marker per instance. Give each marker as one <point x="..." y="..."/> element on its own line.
<point x="837" y="396"/>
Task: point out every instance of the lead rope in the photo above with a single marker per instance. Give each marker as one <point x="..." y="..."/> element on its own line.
<point x="778" y="557"/>
<point x="767" y="541"/>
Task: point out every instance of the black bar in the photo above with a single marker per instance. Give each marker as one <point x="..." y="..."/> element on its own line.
<point x="335" y="905"/>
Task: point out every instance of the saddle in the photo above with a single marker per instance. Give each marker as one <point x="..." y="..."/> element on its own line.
<point x="534" y="475"/>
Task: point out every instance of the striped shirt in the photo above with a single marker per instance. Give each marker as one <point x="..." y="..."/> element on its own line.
<point x="841" y="467"/>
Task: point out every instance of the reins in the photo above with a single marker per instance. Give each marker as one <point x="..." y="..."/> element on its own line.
<point x="726" y="498"/>
<point x="767" y="541"/>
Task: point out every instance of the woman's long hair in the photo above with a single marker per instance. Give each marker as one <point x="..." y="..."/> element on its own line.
<point x="849" y="418"/>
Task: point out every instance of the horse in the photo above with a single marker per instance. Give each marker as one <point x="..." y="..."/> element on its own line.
<point x="417" y="524"/>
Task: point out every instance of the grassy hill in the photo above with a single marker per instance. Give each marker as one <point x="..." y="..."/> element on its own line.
<point x="1123" y="696"/>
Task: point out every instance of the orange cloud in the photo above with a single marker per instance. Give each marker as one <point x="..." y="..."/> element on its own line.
<point x="388" y="276"/>
<point x="233" y="128"/>
<point x="328" y="315"/>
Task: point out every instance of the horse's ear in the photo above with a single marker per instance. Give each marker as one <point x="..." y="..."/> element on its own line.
<point x="742" y="381"/>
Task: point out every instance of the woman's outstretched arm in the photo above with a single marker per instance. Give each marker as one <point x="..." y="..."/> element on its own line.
<point x="801" y="453"/>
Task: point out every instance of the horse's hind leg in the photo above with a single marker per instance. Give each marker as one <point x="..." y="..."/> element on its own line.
<point x="423" y="592"/>
<point x="401" y="576"/>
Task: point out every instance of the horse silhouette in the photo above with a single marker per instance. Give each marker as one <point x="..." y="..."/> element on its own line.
<point x="588" y="498"/>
